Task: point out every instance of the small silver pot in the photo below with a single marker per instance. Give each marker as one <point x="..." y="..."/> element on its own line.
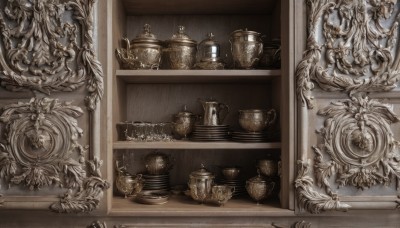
<point x="180" y="51"/>
<point x="157" y="163"/>
<point x="143" y="52"/>
<point x="183" y="124"/>
<point x="200" y="184"/>
<point x="247" y="48"/>
<point x="259" y="189"/>
<point x="256" y="120"/>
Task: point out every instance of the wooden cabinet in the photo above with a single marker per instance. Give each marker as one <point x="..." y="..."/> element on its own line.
<point x="155" y="95"/>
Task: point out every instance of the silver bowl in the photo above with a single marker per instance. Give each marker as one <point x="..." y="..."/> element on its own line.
<point x="256" y="120"/>
<point x="268" y="167"/>
<point x="230" y="173"/>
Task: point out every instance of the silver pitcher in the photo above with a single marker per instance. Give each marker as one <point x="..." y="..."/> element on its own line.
<point x="214" y="112"/>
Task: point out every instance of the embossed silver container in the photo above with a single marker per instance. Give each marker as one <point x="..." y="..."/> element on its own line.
<point x="247" y="48"/>
<point x="200" y="184"/>
<point x="157" y="163"/>
<point x="259" y="188"/>
<point x="147" y="48"/>
<point x="180" y="51"/>
<point x="143" y="52"/>
<point x="256" y="120"/>
<point x="183" y="123"/>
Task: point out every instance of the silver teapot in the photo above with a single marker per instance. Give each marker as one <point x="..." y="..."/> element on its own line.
<point x="214" y="112"/>
<point x="126" y="183"/>
<point x="143" y="52"/>
<point x="200" y="184"/>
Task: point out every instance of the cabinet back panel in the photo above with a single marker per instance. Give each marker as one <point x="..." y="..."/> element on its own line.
<point x="159" y="102"/>
<point x="187" y="161"/>
<point x="197" y="27"/>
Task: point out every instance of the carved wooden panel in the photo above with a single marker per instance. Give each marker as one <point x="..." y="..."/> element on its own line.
<point x="48" y="47"/>
<point x="349" y="154"/>
<point x="42" y="50"/>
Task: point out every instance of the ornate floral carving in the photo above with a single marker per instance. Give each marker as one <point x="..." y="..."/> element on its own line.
<point x="41" y="149"/>
<point x="358" y="139"/>
<point x="313" y="201"/>
<point x="41" y="140"/>
<point x="351" y="46"/>
<point x="86" y="198"/>
<point x="97" y="224"/>
<point x="44" y="51"/>
<point x="302" y="224"/>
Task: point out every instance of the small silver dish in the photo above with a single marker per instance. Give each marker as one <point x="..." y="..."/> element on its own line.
<point x="153" y="197"/>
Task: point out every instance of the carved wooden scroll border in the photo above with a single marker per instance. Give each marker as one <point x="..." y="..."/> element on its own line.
<point x="44" y="51"/>
<point x="352" y="47"/>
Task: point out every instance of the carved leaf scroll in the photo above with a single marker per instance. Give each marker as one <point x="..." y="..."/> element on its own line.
<point x="310" y="199"/>
<point x="360" y="144"/>
<point x="48" y="46"/>
<point x="352" y="46"/>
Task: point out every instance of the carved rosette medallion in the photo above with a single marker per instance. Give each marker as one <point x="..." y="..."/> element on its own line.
<point x="47" y="45"/>
<point x="361" y="147"/>
<point x="352" y="46"/>
<point x="41" y="149"/>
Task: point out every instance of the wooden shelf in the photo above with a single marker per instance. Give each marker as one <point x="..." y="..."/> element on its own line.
<point x="138" y="7"/>
<point x="197" y="76"/>
<point x="184" y="206"/>
<point x="194" y="145"/>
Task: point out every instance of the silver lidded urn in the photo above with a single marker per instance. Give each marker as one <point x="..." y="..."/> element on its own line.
<point x="200" y="184"/>
<point x="259" y="188"/>
<point x="247" y="48"/>
<point x="143" y="52"/>
<point x="183" y="123"/>
<point x="180" y="51"/>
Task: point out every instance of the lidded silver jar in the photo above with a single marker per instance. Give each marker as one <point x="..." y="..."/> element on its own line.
<point x="209" y="54"/>
<point x="200" y="184"/>
<point x="143" y="52"/>
<point x="259" y="188"/>
<point x="180" y="52"/>
<point x="247" y="48"/>
<point x="183" y="123"/>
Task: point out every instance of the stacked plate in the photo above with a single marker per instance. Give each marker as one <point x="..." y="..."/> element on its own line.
<point x="239" y="185"/>
<point x="210" y="133"/>
<point x="241" y="136"/>
<point x="156" y="182"/>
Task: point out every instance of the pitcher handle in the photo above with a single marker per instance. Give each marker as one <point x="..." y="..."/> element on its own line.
<point x="222" y="116"/>
<point x="272" y="117"/>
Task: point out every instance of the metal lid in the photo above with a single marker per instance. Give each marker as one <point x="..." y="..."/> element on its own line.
<point x="257" y="179"/>
<point x="181" y="37"/>
<point x="209" y="41"/>
<point x="202" y="172"/>
<point x="146" y="36"/>
<point x="241" y="32"/>
<point x="184" y="113"/>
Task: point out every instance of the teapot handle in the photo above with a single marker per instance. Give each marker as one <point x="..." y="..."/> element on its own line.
<point x="271" y="188"/>
<point x="271" y="114"/>
<point x="222" y="115"/>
